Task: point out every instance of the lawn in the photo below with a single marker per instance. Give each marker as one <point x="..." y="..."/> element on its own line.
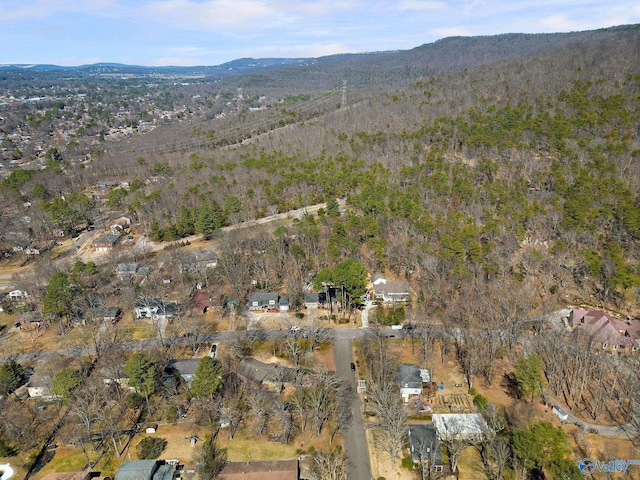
<point x="66" y="459"/>
<point x="243" y="448"/>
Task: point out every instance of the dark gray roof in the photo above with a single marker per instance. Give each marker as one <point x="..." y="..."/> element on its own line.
<point x="311" y="297"/>
<point x="259" y="372"/>
<point x="137" y="470"/>
<point x="409" y="376"/>
<point x="106" y="239"/>
<point x="165" y="472"/>
<point x="127" y="268"/>
<point x="263" y="297"/>
<point x="423" y="439"/>
<point x="185" y="366"/>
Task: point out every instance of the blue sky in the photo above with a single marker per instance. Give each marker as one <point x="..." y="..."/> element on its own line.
<point x="210" y="32"/>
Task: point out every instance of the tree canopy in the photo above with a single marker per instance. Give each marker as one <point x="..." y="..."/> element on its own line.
<point x="351" y="275"/>
<point x="143" y="374"/>
<point x="540" y="445"/>
<point x="12" y="375"/>
<point x="208" y="378"/>
<point x="57" y="301"/>
<point x="530" y="375"/>
<point x="64" y="381"/>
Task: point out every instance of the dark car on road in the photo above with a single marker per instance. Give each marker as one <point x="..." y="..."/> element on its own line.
<point x="353" y="367"/>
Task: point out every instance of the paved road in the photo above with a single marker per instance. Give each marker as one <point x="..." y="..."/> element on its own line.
<point x="354" y="437"/>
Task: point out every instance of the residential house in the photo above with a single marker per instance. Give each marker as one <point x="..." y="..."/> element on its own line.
<point x="36" y="250"/>
<point x="105" y="184"/>
<point x="425" y="448"/>
<point x="198" y="262"/>
<point x="411" y="379"/>
<point x="283" y="304"/>
<point x="312" y="300"/>
<point x="120" y="225"/>
<point x="460" y="426"/>
<point x="266" y="374"/>
<point x="263" y="301"/>
<point x="155" y="308"/>
<point x="31" y="321"/>
<point x="104" y="314"/>
<point x="186" y="368"/>
<point x="105" y="243"/>
<point x="261" y="470"/>
<point x="145" y="470"/>
<point x="39" y="386"/>
<point x="18" y="294"/>
<point x="378" y="278"/>
<point x="130" y="271"/>
<point x="611" y="333"/>
<point x="202" y="301"/>
<point x="114" y="374"/>
<point x="392" y="292"/>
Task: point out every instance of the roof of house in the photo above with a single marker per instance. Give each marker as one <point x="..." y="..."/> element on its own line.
<point x="460" y="425"/>
<point x="127" y="268"/>
<point x="136" y="470"/>
<point x="184" y="366"/>
<point x="259" y="372"/>
<point x="262" y="297"/>
<point x="423" y="440"/>
<point x="157" y="303"/>
<point x="378" y="276"/>
<point x="412" y="376"/>
<point x="107" y="239"/>
<point x="392" y="288"/>
<point x="311" y="297"/>
<point x="261" y="470"/>
<point x="606" y="328"/>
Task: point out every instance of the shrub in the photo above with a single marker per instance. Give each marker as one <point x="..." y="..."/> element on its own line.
<point x="407" y="462"/>
<point x="171" y="414"/>
<point x="481" y="402"/>
<point x="150" y="447"/>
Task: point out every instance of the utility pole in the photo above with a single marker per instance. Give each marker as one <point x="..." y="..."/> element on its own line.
<point x="343" y="101"/>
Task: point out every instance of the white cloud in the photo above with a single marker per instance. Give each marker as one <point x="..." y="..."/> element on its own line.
<point x="300" y="50"/>
<point x="452" y="32"/>
<point x="420" y="6"/>
<point x="210" y="14"/>
<point x="558" y="23"/>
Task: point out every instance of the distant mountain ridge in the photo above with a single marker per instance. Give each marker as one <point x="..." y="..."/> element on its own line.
<point x="241" y="65"/>
<point x="361" y="70"/>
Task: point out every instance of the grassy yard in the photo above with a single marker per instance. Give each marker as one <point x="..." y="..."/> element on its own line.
<point x="66" y="459"/>
<point x="247" y="448"/>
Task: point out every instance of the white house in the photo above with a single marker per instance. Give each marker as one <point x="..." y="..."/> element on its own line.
<point x="39" y="386"/>
<point x="17" y="294"/>
<point x="155" y="308"/>
<point x="411" y="379"/>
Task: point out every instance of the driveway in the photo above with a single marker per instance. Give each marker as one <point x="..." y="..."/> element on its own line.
<point x="355" y="440"/>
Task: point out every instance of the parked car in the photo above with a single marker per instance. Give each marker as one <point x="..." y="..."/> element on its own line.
<point x="353" y="367"/>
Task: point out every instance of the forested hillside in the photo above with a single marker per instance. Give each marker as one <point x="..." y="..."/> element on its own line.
<point x="525" y="168"/>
